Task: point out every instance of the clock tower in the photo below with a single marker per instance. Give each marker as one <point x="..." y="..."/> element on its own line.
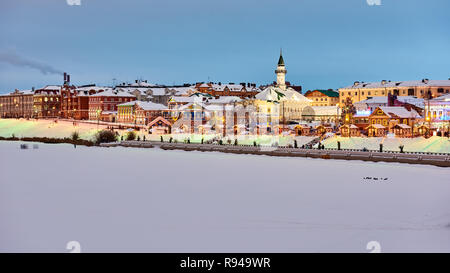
<point x="281" y="73"/>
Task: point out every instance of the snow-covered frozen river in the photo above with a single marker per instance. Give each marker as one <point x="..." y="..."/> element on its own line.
<point x="151" y="200"/>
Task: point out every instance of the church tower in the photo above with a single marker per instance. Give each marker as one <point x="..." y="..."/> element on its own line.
<point x="281" y="73"/>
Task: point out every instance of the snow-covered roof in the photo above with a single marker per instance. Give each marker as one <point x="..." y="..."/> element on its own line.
<point x="224" y="100"/>
<point x="403" y="126"/>
<point x="272" y="93"/>
<point x="137" y="84"/>
<point x="442" y="98"/>
<point x="183" y="99"/>
<point x="52" y="87"/>
<point x="183" y="90"/>
<point x="392" y="84"/>
<point x="19" y="92"/>
<point x="384" y="100"/>
<point x="401" y="112"/>
<point x="148" y="106"/>
<point x="351" y="126"/>
<point x="377" y="126"/>
<point x="151" y="106"/>
<point x="89" y="88"/>
<point x="232" y="87"/>
<point x="159" y="91"/>
<point x="218" y="107"/>
<point x="112" y="93"/>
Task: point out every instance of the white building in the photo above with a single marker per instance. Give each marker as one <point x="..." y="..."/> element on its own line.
<point x="287" y="102"/>
<point x="439" y="112"/>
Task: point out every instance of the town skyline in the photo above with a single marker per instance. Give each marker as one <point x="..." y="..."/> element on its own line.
<point x="322" y="44"/>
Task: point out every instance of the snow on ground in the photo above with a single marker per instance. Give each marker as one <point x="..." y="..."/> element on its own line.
<point x="151" y="200"/>
<point x="46" y="128"/>
<point x="434" y="144"/>
<point x="61" y="129"/>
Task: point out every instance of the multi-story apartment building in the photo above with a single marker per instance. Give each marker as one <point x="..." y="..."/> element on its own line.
<point x="103" y="105"/>
<point x="18" y="104"/>
<point x="323" y="97"/>
<point x="75" y="100"/>
<point x="421" y="89"/>
<point x="46" y="102"/>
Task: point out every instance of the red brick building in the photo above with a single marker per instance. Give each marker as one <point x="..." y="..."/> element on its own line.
<point x="75" y="101"/>
<point x="103" y="105"/>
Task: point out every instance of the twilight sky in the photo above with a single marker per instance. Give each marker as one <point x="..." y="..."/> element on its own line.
<point x="326" y="43"/>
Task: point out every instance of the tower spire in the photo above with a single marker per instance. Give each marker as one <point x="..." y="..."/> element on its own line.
<point x="281" y="60"/>
<point x="281" y="72"/>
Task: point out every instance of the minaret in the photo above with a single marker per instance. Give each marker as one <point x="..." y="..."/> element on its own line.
<point x="281" y="73"/>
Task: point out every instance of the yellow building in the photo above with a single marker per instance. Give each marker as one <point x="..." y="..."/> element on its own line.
<point x="323" y="97"/>
<point x="361" y="91"/>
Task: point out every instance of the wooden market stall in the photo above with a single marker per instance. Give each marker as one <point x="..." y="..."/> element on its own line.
<point x="376" y="130"/>
<point x="402" y="130"/>
<point x="349" y="130"/>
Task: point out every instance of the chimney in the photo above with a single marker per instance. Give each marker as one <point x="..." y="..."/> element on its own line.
<point x="68" y="79"/>
<point x="65" y="77"/>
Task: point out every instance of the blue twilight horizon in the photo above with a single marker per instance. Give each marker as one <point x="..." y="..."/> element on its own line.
<point x="326" y="43"/>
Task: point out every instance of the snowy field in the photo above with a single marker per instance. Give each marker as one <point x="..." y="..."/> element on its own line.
<point x="433" y="144"/>
<point x="46" y="128"/>
<point x="151" y="200"/>
<point x="87" y="131"/>
<point x="62" y="129"/>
